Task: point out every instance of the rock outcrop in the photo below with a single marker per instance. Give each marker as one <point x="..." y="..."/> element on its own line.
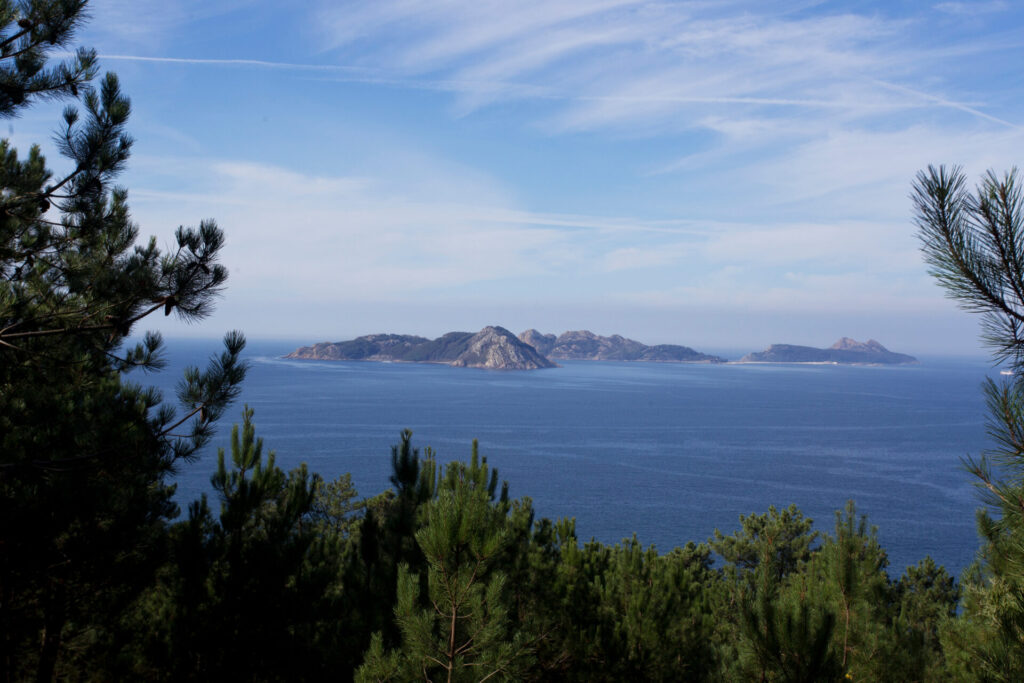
<point x="493" y="348"/>
<point x="847" y="344"/>
<point x="585" y="345"/>
<point x="542" y="342"/>
<point x="845" y="351"/>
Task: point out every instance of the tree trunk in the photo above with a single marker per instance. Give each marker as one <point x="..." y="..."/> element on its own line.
<point x="53" y="625"/>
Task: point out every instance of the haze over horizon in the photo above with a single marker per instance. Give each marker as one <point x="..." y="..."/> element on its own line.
<point x="709" y="174"/>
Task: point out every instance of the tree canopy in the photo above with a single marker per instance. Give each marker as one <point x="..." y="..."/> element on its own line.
<point x="445" y="576"/>
<point x="84" y="452"/>
<point x="974" y="244"/>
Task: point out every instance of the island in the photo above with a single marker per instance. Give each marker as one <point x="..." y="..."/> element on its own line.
<point x="846" y="351"/>
<point x="493" y="348"/>
<point x="585" y="345"/>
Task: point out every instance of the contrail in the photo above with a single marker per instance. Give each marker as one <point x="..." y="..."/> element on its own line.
<point x="239" y="62"/>
<point x="941" y="101"/>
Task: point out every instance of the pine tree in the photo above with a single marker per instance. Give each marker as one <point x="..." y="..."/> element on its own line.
<point x="32" y="30"/>
<point x="974" y="246"/>
<point x="849" y="572"/>
<point x="462" y="629"/>
<point x="924" y="599"/>
<point x="657" y="613"/>
<point x="336" y="505"/>
<point x="385" y="540"/>
<point x="826" y="616"/>
<point x="83" y="452"/>
<point x="763" y="635"/>
<point x="789" y="640"/>
<point x="248" y="595"/>
<point x="782" y="541"/>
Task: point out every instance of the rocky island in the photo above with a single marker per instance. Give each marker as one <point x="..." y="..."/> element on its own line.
<point x="844" y="351"/>
<point x="493" y="348"/>
<point x="585" y="345"/>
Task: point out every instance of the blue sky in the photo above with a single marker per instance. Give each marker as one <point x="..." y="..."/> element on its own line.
<point x="718" y="174"/>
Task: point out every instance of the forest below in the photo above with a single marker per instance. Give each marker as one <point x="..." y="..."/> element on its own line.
<point x="445" y="576"/>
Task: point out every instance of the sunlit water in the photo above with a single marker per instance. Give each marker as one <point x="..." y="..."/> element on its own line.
<point x="669" y="451"/>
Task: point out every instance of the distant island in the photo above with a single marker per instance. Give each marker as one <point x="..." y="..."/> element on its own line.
<point x="845" y="351"/>
<point x="494" y="348"/>
<point x="585" y="345"/>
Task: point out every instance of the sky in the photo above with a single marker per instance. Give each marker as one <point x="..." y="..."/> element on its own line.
<point x="720" y="174"/>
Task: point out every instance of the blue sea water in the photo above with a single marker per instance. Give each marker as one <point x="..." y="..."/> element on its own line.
<point x="668" y="451"/>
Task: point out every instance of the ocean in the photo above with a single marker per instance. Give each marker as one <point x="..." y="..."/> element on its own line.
<point x="667" y="451"/>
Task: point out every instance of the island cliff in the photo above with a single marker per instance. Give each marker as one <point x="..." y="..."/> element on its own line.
<point x="493" y="348"/>
<point x="846" y="351"/>
<point x="585" y="345"/>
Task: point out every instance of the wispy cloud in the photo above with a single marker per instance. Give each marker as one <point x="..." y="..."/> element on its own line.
<point x="630" y="63"/>
<point x="851" y="292"/>
<point x="731" y="155"/>
<point x="355" y="237"/>
<point x="623" y="63"/>
<point x="148" y="21"/>
<point x="363" y="239"/>
<point x="973" y="8"/>
<point x="479" y="86"/>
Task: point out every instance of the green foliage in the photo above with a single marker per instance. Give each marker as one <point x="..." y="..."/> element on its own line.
<point x="336" y="506"/>
<point x="974" y="244"/>
<point x="834" y="614"/>
<point x="780" y="541"/>
<point x="249" y="595"/>
<point x="849" y="572"/>
<point x="925" y="600"/>
<point x="618" y="612"/>
<point x="789" y="640"/>
<point x="980" y="645"/>
<point x="83" y="452"/>
<point x="760" y="634"/>
<point x="384" y="541"/>
<point x="464" y="631"/>
<point x="32" y="30"/>
<point x="656" y="612"/>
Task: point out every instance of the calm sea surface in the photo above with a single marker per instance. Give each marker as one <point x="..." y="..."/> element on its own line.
<point x="669" y="451"/>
